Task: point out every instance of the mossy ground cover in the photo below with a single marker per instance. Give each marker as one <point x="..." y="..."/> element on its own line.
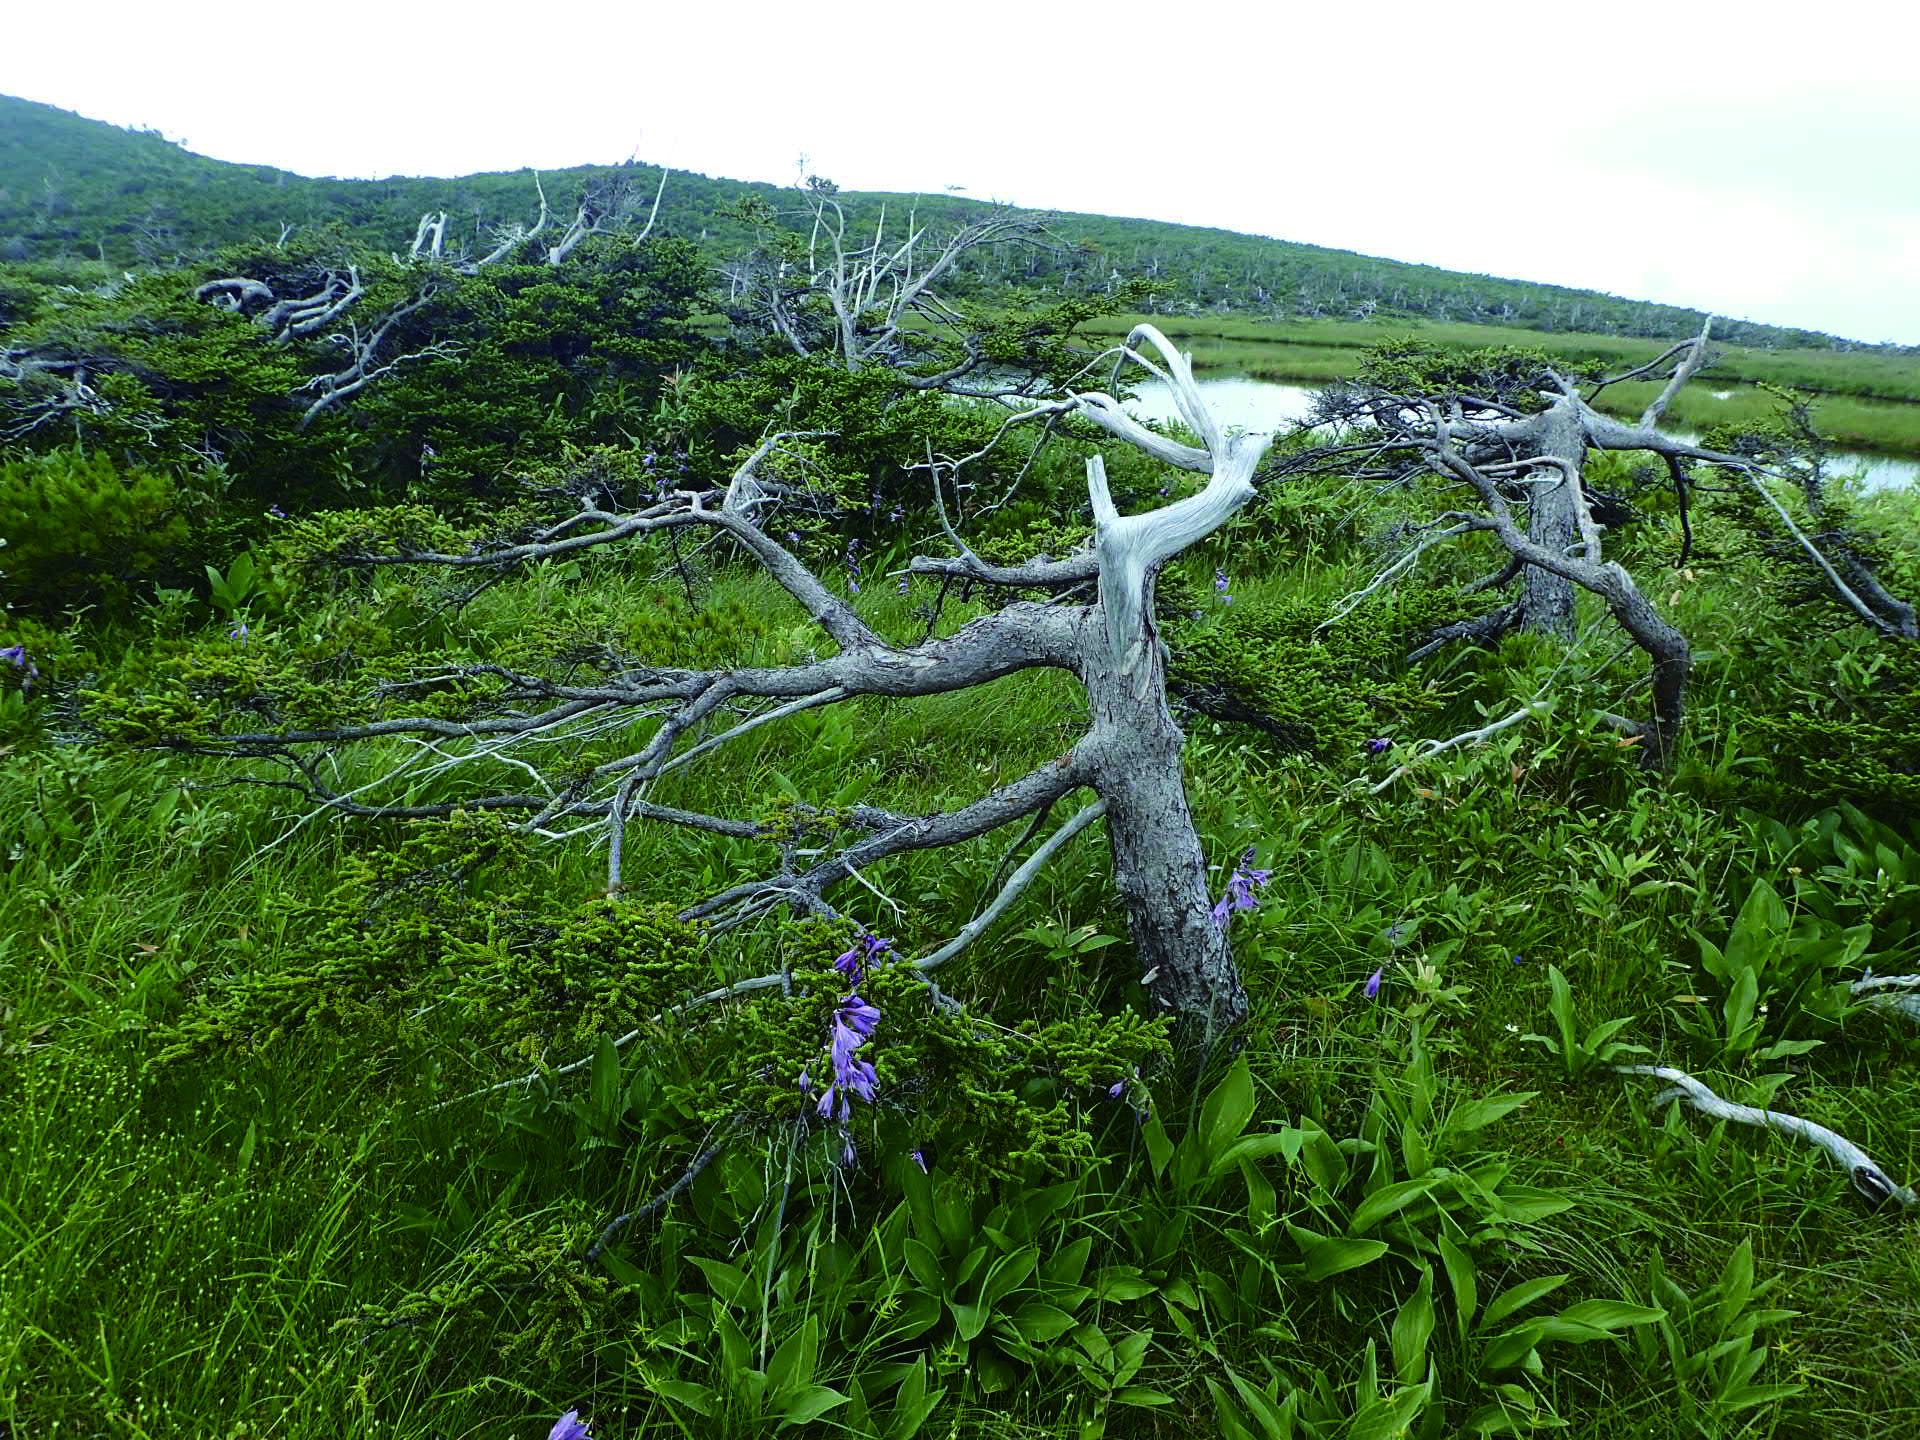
<point x="1381" y="1211"/>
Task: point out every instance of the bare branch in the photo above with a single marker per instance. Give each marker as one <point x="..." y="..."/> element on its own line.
<point x="1873" y="1183"/>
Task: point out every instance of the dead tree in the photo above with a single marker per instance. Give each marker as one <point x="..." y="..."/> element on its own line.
<point x="1506" y="459"/>
<point x="286" y="317"/>
<point x="45" y="388"/>
<point x="1129" y="757"/>
<point x="603" y="205"/>
<point x="869" y="302"/>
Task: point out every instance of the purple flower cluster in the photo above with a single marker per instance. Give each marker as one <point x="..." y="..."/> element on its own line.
<point x="16" y="656"/>
<point x="853" y="566"/>
<point x="1220" y="587"/>
<point x="1242" y="889"/>
<point x="860" y="956"/>
<point x="854" y="1022"/>
<point x="569" y="1427"/>
<point x="852" y="1025"/>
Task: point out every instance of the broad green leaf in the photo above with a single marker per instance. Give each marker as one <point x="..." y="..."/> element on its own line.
<point x="1560" y="1006"/>
<point x="1067" y="1264"/>
<point x="603" y="1086"/>
<point x="1742" y="1013"/>
<point x="1323" y="1160"/>
<point x="1008" y="1275"/>
<point x="1159" y="1148"/>
<point x="1604" y="1316"/>
<point x="1039" y="1322"/>
<point x="1525" y="1204"/>
<point x="909" y="1417"/>
<point x="969" y="1320"/>
<point x="1139" y="1395"/>
<point x="1736" y="1285"/>
<point x="1747" y="1397"/>
<point x="1122" y="1282"/>
<point x="1757" y="930"/>
<point x="1389" y="1199"/>
<point x="1412" y="1329"/>
<point x="953" y="1213"/>
<point x="1461" y="1275"/>
<point x="697" y="1398"/>
<point x="809" y="1404"/>
<point x="1275" y="1419"/>
<point x="1516" y="1298"/>
<point x="791" y="1368"/>
<point x="1335" y="1257"/>
<point x="727" y="1281"/>
<point x="1130" y="1353"/>
<point x="1390" y="1417"/>
<point x="925" y="1265"/>
<point x="1226" y="1414"/>
<point x="1260" y="1196"/>
<point x="1227" y="1109"/>
<point x="1513" y="1349"/>
<point x="1285" y="1143"/>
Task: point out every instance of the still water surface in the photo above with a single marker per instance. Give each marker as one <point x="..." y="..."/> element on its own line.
<point x="1267" y="405"/>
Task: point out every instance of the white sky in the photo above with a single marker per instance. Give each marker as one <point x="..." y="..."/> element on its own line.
<point x="1757" y="159"/>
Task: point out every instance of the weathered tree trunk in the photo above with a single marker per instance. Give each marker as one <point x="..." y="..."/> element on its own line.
<point x="1553" y="517"/>
<point x="1133" y="756"/>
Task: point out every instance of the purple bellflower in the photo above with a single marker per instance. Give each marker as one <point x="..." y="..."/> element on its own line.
<point x="1373" y="982"/>
<point x="1220" y="587"/>
<point x="854" y="962"/>
<point x="1378" y="745"/>
<point x="16" y="656"/>
<point x="854" y="1022"/>
<point x="239" y="632"/>
<point x="569" y="1427"/>
<point x="1242" y="888"/>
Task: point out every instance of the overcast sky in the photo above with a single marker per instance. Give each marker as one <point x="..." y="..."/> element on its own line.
<point x="1755" y="159"/>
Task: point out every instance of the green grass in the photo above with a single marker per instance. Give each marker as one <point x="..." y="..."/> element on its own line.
<point x="190" y="1254"/>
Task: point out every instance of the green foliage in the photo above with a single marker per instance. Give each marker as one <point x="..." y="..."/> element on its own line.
<point x="1510" y="375"/>
<point x="1710" y="1341"/>
<point x="534" y="358"/>
<point x="81" y="530"/>
<point x="1580" y="1054"/>
<point x="1851" y="736"/>
<point x="1773" y="976"/>
<point x="228" y="1037"/>
<point x="1277" y="665"/>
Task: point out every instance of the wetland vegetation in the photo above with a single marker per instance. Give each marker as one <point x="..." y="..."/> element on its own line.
<point x="418" y="1018"/>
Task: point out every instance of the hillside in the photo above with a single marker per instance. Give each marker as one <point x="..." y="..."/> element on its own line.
<point x="77" y="188"/>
